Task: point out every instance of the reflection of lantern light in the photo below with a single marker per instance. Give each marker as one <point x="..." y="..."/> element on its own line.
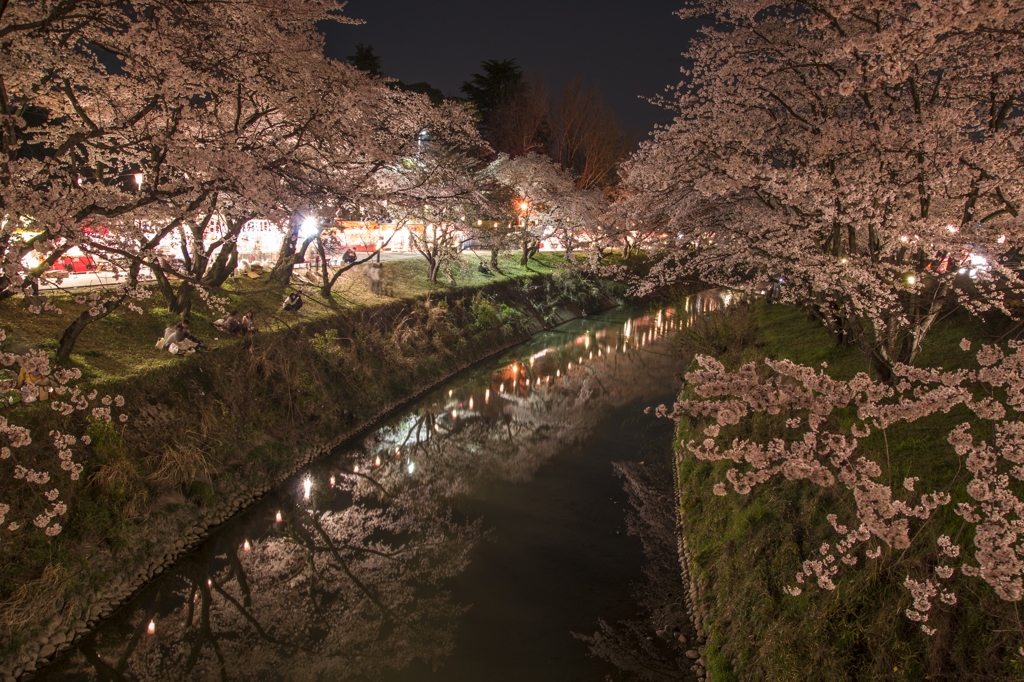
<point x="487" y="396"/>
<point x="152" y="627"/>
<point x="412" y="467"/>
<point x="515" y="369"/>
<point x="209" y="583"/>
<point x="332" y="481"/>
<point x="449" y="394"/>
<point x="245" y="546"/>
<point x="501" y="389"/>
<point x="471" y="403"/>
<point x="558" y="372"/>
<point x="570" y="366"/>
<point x="278" y="518"/>
<point x="356" y="468"/>
<point x="436" y="428"/>
<point x="377" y="461"/>
<point x="306" y="485"/>
<point x="455" y="415"/>
<point x="591" y="355"/>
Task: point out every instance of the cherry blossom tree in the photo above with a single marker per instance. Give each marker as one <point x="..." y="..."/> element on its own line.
<point x="543" y="197"/>
<point x="850" y="148"/>
<point x="884" y="517"/>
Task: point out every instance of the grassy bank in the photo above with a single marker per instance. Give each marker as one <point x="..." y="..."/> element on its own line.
<point x="207" y="430"/>
<point x="746" y="549"/>
<point x="121" y="344"/>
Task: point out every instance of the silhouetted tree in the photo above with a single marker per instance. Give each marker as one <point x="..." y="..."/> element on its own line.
<point x="365" y="59"/>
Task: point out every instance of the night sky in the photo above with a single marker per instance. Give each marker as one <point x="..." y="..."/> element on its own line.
<point x="630" y="49"/>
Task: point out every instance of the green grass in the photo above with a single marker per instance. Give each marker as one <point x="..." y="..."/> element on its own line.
<point x="747" y="548"/>
<point x="122" y="344"/>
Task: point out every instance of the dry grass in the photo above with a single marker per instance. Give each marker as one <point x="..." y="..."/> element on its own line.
<point x="121" y="479"/>
<point x="180" y="465"/>
<point x="43" y="595"/>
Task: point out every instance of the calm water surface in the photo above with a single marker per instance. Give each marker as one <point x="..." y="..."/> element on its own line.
<point x="465" y="538"/>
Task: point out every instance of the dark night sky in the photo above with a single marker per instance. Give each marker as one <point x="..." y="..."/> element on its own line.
<point x="629" y="48"/>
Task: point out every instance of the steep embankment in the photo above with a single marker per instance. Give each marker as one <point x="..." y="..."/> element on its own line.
<point x="211" y="435"/>
<point x="740" y="552"/>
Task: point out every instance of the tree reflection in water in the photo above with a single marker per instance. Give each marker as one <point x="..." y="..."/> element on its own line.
<point x="327" y="595"/>
<point x="351" y="581"/>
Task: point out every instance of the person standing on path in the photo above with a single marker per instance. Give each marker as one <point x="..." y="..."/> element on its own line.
<point x="376" y="275"/>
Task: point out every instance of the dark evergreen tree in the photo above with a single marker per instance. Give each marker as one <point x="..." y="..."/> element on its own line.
<point x="365" y="59"/>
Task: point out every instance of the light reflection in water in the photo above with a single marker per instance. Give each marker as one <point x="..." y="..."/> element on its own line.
<point x="344" y="582"/>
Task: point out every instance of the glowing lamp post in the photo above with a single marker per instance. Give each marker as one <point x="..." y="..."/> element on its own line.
<point x="139" y="179"/>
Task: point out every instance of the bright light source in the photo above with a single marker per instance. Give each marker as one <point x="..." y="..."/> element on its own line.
<point x="309" y="227"/>
<point x="911" y="279"/>
<point x="412" y="467"/>
<point x="332" y="481"/>
<point x="152" y="627"/>
<point x="377" y="461"/>
<point x="307" y="485"/>
<point x="278" y="517"/>
<point x="525" y="206"/>
<point x="479" y="222"/>
<point x="1002" y="239"/>
<point x="246" y="546"/>
<point x="139" y="179"/>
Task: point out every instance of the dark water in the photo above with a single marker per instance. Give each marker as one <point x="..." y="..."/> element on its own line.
<point x="466" y="538"/>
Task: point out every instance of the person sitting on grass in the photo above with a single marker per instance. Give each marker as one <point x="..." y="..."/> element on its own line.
<point x="33" y="386"/>
<point x="174" y="334"/>
<point x="248" y="323"/>
<point x="483" y="269"/>
<point x="178" y="340"/>
<point x="292" y="303"/>
<point x="230" y="324"/>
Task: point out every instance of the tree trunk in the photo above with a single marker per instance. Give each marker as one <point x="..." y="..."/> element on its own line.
<point x="71" y="334"/>
<point x="494" y="260"/>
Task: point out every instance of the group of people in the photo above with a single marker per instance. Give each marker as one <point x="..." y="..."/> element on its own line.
<point x="237" y="327"/>
<point x="178" y="340"/>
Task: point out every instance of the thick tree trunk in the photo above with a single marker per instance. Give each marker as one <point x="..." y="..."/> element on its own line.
<point x="292" y="253"/>
<point x="494" y="260"/>
<point x="70" y="336"/>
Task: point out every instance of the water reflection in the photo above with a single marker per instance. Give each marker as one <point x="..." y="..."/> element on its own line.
<point x="345" y="571"/>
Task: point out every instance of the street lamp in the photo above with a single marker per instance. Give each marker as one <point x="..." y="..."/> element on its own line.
<point x="309" y="227"/>
<point x="139" y="179"/>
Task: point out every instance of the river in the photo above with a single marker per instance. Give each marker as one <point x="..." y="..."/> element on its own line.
<point x="466" y="537"/>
